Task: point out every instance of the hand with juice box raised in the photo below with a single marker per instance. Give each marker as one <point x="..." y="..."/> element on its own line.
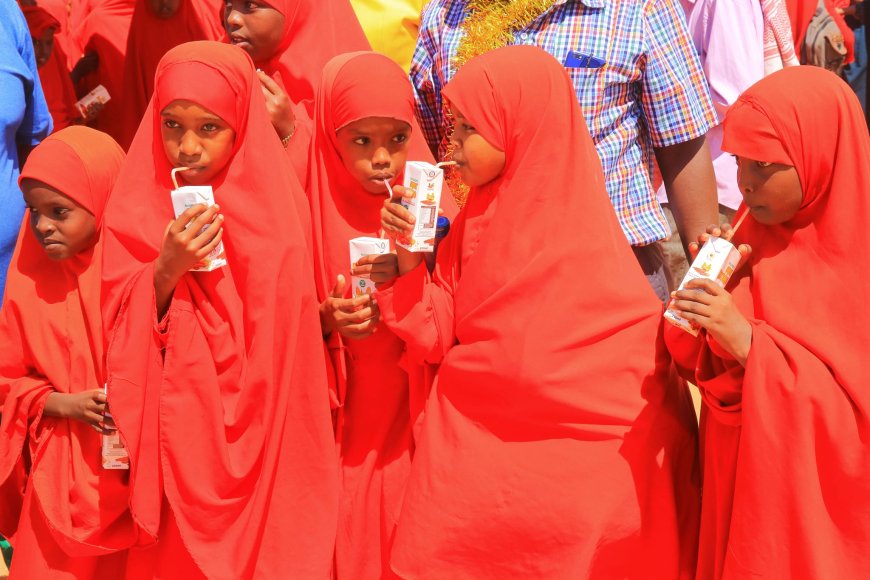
<point x="185" y="243"/>
<point x="398" y="223"/>
<point x="87" y="407"/>
<point x="355" y="318"/>
<point x="705" y="303"/>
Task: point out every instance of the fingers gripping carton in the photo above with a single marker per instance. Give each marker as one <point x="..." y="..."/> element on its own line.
<point x="424" y="181"/>
<point x="186" y="197"/>
<point x="360" y="247"/>
<point x="90" y="103"/>
<point x="716" y="261"/>
<point x="114" y="454"/>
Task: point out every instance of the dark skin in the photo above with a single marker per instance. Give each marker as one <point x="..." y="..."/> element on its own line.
<point x="687" y="172"/>
<point x="64" y="229"/>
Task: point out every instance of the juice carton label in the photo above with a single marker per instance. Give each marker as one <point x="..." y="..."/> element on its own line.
<point x="96" y="98"/>
<point x="360" y="247"/>
<point x="187" y="197"/>
<point x="716" y="261"/>
<point x="425" y="182"/>
<point x="114" y="454"/>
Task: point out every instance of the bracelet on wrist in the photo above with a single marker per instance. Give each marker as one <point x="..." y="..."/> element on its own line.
<point x="286" y="140"/>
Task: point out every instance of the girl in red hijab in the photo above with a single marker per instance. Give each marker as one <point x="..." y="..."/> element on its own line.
<point x="364" y="132"/>
<point x="157" y="26"/>
<point x="222" y="403"/>
<point x="64" y="512"/>
<point x="556" y="443"/>
<point x="51" y="59"/>
<point x="782" y="366"/>
<point x="291" y="41"/>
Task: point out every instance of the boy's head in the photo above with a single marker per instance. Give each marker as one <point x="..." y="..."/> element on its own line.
<point x="374" y="149"/>
<point x="63" y="227"/>
<point x="164" y="9"/>
<point x="195" y="137"/>
<point x="255" y="26"/>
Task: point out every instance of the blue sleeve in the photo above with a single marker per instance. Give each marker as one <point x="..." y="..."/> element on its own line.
<point x="428" y="96"/>
<point x="36" y="124"/>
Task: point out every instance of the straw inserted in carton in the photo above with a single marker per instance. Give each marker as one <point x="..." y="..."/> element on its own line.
<point x="736" y="226"/>
<point x="174" y="172"/>
<point x="445" y="164"/>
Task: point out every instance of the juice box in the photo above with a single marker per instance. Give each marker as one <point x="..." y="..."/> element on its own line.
<point x="97" y="97"/>
<point x="114" y="454"/>
<point x="360" y="247"/>
<point x="186" y="197"/>
<point x="425" y="182"/>
<point x="716" y="261"/>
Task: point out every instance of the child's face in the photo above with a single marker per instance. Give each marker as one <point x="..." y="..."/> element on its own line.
<point x="374" y="149"/>
<point x="197" y="138"/>
<point x="254" y="26"/>
<point x="771" y="191"/>
<point x="164" y="9"/>
<point x="62" y="226"/>
<point x="43" y="46"/>
<point x="478" y="162"/>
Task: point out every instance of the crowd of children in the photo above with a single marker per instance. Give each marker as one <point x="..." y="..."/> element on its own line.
<point x="200" y="391"/>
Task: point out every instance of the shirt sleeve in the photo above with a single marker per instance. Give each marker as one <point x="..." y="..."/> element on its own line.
<point x="423" y="77"/>
<point x="676" y="100"/>
<point x="36" y="124"/>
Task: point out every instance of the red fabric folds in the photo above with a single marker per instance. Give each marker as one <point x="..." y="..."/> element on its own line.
<point x="785" y="439"/>
<point x="149" y="39"/>
<point x="53" y="75"/>
<point x="555" y="442"/>
<point x="375" y="420"/>
<point x="103" y="27"/>
<point x="51" y="341"/>
<point x="231" y="421"/>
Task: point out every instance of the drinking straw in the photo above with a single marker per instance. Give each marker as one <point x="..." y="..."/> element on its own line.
<point x="174" y="171"/>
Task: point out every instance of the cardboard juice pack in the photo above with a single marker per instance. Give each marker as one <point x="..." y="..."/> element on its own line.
<point x="716" y="261"/>
<point x="425" y="182"/>
<point x="114" y="454"/>
<point x="186" y="197"/>
<point x="360" y="247"/>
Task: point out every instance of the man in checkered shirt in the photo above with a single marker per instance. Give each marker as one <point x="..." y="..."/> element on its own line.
<point x="643" y="94"/>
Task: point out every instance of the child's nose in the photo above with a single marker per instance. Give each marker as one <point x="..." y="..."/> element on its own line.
<point x="381" y="157"/>
<point x="44" y="225"/>
<point x="189" y="145"/>
<point x="234" y="19"/>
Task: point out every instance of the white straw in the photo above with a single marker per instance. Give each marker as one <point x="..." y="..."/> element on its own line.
<point x="445" y="163"/>
<point x="175" y="179"/>
<point x="389" y="188"/>
<point x="740" y="221"/>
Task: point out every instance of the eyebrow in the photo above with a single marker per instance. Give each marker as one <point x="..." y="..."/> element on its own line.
<point x="213" y="118"/>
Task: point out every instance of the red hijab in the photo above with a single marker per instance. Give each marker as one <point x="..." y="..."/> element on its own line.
<point x="53" y="75"/>
<point x="232" y="423"/>
<point x="103" y="27"/>
<point x="553" y="444"/>
<point x="375" y="422"/>
<point x="51" y="340"/>
<point x="314" y="32"/>
<point x="150" y="37"/>
<point x="787" y="437"/>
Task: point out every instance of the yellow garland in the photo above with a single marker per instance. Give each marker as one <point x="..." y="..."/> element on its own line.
<point x="490" y="24"/>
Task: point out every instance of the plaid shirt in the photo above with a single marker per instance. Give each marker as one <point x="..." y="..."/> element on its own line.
<point x="637" y="78"/>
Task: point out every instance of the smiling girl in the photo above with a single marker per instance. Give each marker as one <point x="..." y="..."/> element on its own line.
<point x="782" y="361"/>
<point x="74" y="520"/>
<point x="365" y="132"/>
<point x="217" y="380"/>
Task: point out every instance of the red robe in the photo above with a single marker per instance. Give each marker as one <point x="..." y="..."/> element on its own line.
<point x="785" y="439"/>
<point x="376" y="384"/>
<point x="223" y="405"/>
<point x="63" y="512"/>
<point x="556" y="442"/>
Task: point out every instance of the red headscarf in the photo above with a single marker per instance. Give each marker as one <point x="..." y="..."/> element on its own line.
<point x="800" y="13"/>
<point x="375" y="421"/>
<point x="51" y="340"/>
<point x="786" y="491"/>
<point x="103" y="27"/>
<point x="553" y="444"/>
<point x="150" y="38"/>
<point x="314" y="32"/>
<point x="53" y="75"/>
<point x="233" y="422"/>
